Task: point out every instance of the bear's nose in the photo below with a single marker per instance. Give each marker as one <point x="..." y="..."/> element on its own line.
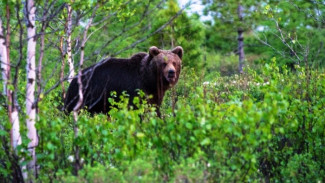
<point x="171" y="73"/>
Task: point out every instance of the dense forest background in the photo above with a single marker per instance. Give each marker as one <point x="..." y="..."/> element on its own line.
<point x="249" y="105"/>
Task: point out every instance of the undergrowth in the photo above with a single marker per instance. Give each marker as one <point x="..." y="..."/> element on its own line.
<point x="248" y="128"/>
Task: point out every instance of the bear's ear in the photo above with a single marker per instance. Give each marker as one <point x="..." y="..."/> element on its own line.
<point x="153" y="51"/>
<point x="178" y="51"/>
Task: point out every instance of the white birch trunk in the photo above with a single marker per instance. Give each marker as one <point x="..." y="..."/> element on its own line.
<point x="30" y="90"/>
<point x="13" y="115"/>
<point x="15" y="135"/>
<point x="69" y="47"/>
<point x="3" y="59"/>
<point x="80" y="101"/>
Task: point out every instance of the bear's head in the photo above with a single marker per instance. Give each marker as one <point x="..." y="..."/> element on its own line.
<point x="168" y="63"/>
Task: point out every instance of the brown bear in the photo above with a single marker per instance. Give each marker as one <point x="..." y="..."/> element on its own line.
<point x="152" y="73"/>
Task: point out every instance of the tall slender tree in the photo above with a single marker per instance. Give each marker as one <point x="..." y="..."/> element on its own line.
<point x="241" y="52"/>
<point x="5" y="63"/>
<point x="4" y="60"/>
<point x="80" y="101"/>
<point x="229" y="25"/>
<point x="69" y="45"/>
<point x="30" y="88"/>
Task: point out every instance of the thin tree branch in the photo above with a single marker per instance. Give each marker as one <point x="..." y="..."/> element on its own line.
<point x="285" y="42"/>
<point x="156" y="31"/>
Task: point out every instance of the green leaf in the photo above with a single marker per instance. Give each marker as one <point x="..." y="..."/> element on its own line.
<point x="205" y="142"/>
<point x="140" y="135"/>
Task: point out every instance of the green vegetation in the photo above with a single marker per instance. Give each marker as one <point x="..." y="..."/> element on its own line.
<point x="264" y="125"/>
<point x="253" y="127"/>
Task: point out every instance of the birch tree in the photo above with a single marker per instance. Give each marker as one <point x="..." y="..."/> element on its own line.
<point x="80" y="101"/>
<point x="5" y="66"/>
<point x="4" y="60"/>
<point x="30" y="88"/>
<point x="69" y="47"/>
<point x="9" y="93"/>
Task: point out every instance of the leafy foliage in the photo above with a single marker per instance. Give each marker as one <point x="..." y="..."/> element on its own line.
<point x="254" y="127"/>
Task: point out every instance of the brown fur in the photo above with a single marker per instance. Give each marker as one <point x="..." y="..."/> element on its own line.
<point x="153" y="73"/>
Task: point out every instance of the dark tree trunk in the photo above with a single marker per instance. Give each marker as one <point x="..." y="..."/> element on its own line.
<point x="241" y="52"/>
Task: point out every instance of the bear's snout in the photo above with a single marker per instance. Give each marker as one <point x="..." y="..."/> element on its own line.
<point x="171" y="73"/>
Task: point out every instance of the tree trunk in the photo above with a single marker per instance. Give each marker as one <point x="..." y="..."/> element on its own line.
<point x="62" y="66"/>
<point x="15" y="106"/>
<point x="80" y="101"/>
<point x="5" y="65"/>
<point x="3" y="58"/>
<point x="241" y="52"/>
<point x="69" y="47"/>
<point x="30" y="89"/>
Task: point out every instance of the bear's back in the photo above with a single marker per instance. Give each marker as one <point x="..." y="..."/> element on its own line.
<point x="99" y="80"/>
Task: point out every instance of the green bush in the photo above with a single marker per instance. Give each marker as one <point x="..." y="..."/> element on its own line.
<point x="257" y="127"/>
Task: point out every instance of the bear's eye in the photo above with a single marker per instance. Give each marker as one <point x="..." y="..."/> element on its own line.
<point x="164" y="64"/>
<point x="174" y="64"/>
